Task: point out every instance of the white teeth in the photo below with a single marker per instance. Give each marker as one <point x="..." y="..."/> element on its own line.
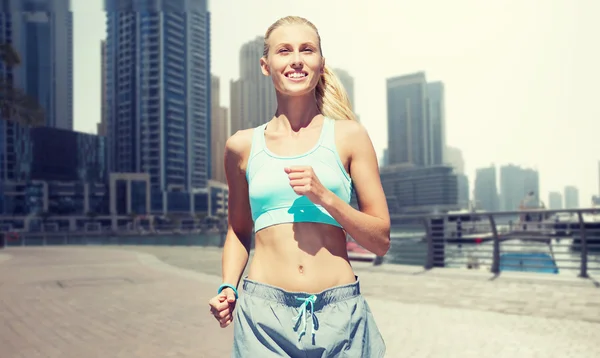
<point x="296" y="75"/>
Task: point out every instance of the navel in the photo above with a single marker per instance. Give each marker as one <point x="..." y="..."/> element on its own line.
<point x="301" y="269"/>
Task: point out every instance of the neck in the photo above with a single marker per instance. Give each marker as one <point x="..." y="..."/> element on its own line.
<point x="296" y="112"/>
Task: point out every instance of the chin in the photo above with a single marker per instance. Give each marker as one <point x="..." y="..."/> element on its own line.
<point x="300" y="89"/>
<point x="297" y="92"/>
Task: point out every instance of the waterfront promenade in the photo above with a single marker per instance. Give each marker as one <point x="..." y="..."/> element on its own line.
<point x="141" y="301"/>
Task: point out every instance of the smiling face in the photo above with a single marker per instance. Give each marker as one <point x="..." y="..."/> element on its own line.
<point x="293" y="59"/>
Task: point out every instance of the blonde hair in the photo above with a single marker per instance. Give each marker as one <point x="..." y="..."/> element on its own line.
<point x="332" y="98"/>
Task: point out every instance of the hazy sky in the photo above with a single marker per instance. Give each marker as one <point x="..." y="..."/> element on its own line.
<point x="522" y="77"/>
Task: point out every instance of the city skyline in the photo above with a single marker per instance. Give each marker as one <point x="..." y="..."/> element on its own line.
<point x="501" y="107"/>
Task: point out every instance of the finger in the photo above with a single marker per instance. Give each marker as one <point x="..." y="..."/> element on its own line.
<point x="226" y="318"/>
<point x="296" y="175"/>
<point x="221" y="306"/>
<point x="224" y="313"/>
<point x="230" y="296"/>
<point x="225" y="322"/>
<point x="299" y="182"/>
<point x="297" y="169"/>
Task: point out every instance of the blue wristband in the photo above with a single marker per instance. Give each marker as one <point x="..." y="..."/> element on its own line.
<point x="225" y="285"/>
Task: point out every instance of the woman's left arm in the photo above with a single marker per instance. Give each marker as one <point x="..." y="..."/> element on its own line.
<point x="369" y="226"/>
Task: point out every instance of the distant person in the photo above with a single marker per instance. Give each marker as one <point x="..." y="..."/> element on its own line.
<point x="291" y="178"/>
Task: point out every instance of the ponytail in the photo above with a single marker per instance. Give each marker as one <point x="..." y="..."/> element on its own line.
<point x="332" y="98"/>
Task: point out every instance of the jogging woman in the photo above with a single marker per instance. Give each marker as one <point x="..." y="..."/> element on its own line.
<point x="290" y="180"/>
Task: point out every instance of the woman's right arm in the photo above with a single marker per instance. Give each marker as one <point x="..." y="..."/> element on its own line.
<point x="237" y="242"/>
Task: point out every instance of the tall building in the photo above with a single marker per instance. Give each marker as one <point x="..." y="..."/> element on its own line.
<point x="158" y="95"/>
<point x="101" y="127"/>
<point x="515" y="184"/>
<point x="571" y="197"/>
<point x="464" y="198"/>
<point x="41" y="32"/>
<point x="486" y="190"/>
<point x="454" y="158"/>
<point x="219" y="132"/>
<point x="408" y="127"/>
<point x="415" y="120"/>
<point x="437" y="119"/>
<point x="555" y="200"/>
<point x="252" y="96"/>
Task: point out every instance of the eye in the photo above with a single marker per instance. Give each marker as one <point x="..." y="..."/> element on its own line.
<point x="308" y="50"/>
<point x="282" y="50"/>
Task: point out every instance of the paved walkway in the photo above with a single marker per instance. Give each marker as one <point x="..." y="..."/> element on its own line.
<point x="115" y="302"/>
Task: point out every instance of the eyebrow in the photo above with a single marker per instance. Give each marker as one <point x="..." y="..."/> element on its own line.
<point x="302" y="44"/>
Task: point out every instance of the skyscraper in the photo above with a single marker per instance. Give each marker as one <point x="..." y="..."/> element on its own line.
<point x="158" y="93"/>
<point x="486" y="190"/>
<point x="407" y="123"/>
<point x="454" y="158"/>
<point x="101" y="127"/>
<point x="437" y="121"/>
<point x="219" y="132"/>
<point x="416" y="129"/>
<point x="571" y="197"/>
<point x="515" y="184"/>
<point x="252" y="96"/>
<point x="555" y="200"/>
<point x="41" y="32"/>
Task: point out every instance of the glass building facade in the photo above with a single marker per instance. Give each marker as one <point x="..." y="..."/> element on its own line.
<point x="41" y="32"/>
<point x="61" y="172"/>
<point x="416" y="120"/>
<point x="412" y="189"/>
<point x="408" y="123"/>
<point x="158" y="96"/>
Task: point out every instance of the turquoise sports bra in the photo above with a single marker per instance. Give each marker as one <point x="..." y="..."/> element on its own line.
<point x="272" y="199"/>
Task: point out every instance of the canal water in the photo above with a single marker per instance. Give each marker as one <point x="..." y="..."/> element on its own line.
<point x="409" y="248"/>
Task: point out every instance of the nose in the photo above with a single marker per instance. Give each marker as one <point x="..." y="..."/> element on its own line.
<point x="296" y="60"/>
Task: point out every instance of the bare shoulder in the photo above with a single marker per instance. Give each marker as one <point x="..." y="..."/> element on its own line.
<point x="352" y="135"/>
<point x="240" y="142"/>
<point x="237" y="150"/>
<point x="350" y="128"/>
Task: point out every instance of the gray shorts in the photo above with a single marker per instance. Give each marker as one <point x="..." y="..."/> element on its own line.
<point x="271" y="322"/>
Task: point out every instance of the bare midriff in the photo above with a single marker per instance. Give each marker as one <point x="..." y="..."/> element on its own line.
<point x="301" y="257"/>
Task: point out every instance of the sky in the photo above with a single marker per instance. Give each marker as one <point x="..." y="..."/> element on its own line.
<point x="521" y="76"/>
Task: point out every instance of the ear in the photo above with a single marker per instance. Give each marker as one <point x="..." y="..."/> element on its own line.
<point x="264" y="66"/>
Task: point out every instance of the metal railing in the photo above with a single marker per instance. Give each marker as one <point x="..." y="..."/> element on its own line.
<point x="542" y="241"/>
<point x="165" y="236"/>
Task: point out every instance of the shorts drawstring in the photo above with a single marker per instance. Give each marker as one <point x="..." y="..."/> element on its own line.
<point x="310" y="300"/>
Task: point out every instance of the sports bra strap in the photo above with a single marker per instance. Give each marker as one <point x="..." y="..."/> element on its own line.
<point x="329" y="134"/>
<point x="258" y="140"/>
